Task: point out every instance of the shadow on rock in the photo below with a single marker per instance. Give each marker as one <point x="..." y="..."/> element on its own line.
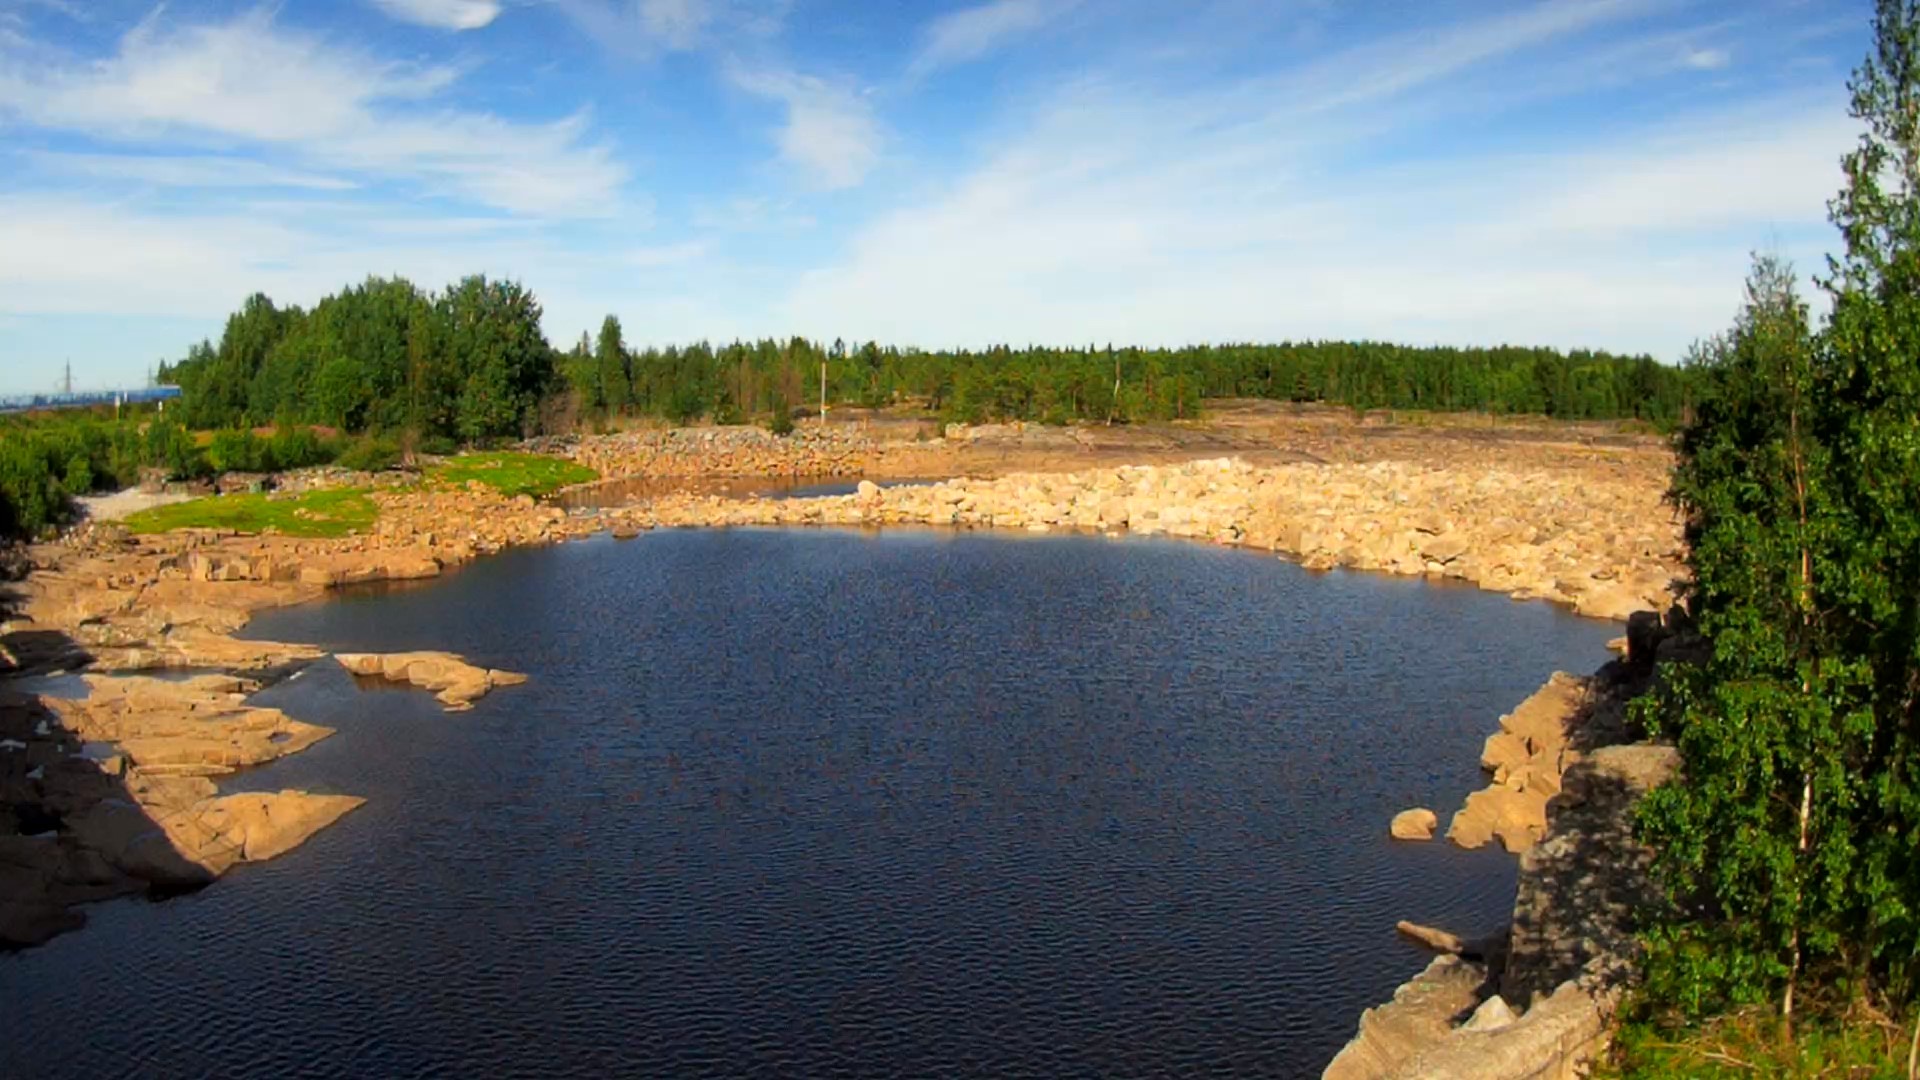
<point x="112" y="795"/>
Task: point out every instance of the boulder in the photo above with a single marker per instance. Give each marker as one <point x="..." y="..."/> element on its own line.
<point x="1517" y="818"/>
<point x="1492" y="1015"/>
<point x="1415" y="824"/>
<point x="1444" y="548"/>
<point x="1543" y="720"/>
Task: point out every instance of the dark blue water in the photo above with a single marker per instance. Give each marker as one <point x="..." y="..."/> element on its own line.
<point x="794" y="803"/>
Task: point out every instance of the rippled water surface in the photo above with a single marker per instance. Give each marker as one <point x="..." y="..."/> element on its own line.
<point x="828" y="803"/>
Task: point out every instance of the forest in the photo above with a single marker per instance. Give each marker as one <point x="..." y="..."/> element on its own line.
<point x="470" y="363"/>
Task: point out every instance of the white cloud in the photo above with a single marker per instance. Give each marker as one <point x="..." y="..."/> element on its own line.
<point x="442" y="14"/>
<point x="1408" y="61"/>
<point x="1116" y="217"/>
<point x="184" y="171"/>
<point x="830" y="133"/>
<point x="333" y="107"/>
<point x="1706" y="59"/>
<point x="677" y="23"/>
<point x="971" y="33"/>
<point x="645" y="28"/>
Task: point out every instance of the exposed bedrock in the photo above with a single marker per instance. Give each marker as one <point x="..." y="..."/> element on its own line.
<point x="456" y="683"/>
<point x="111" y="794"/>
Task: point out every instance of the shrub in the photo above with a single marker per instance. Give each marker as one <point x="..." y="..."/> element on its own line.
<point x="297" y="448"/>
<point x="781" y="422"/>
<point x="370" y="454"/>
<point x="236" y="450"/>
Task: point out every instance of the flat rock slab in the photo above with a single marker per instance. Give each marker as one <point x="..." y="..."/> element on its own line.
<point x="457" y="684"/>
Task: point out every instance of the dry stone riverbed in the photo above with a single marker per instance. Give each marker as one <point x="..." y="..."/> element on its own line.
<point x="824" y="802"/>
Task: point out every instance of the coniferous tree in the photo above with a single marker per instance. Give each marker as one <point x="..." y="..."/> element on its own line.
<point x="610" y="368"/>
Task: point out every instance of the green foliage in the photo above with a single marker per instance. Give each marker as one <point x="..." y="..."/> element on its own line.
<point x="471" y="363"/>
<point x="513" y="473"/>
<point x="312" y="513"/>
<point x="380" y="356"/>
<point x="47" y="459"/>
<point x="369" y="454"/>
<point x="235" y="450"/>
<point x="1074" y="385"/>
<point x="1771" y="725"/>
<point x="1788" y="851"/>
<point x="1752" y="1043"/>
<point x="297" y="448"/>
<point x="780" y="420"/>
<point x="613" y="381"/>
<point x="171" y="448"/>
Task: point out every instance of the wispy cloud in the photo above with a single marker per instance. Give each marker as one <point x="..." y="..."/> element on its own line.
<point x="971" y="33"/>
<point x="1120" y="213"/>
<point x="647" y="27"/>
<point x="442" y="14"/>
<point x="830" y="134"/>
<point x="1706" y="59"/>
<point x="331" y="106"/>
<point x="184" y="171"/>
<point x="1413" y="59"/>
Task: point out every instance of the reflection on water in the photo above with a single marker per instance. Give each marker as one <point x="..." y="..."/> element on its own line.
<point x="830" y="803"/>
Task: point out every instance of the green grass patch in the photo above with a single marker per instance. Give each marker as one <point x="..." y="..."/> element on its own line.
<point x="312" y="513"/>
<point x="512" y="473"/>
<point x="1862" y="1047"/>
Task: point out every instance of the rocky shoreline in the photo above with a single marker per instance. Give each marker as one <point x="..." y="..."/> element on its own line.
<point x="1605" y="549"/>
<point x="103" y="790"/>
<point x="1538" y="999"/>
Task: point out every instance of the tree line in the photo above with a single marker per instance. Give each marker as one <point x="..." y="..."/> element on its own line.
<point x="470" y="363"/>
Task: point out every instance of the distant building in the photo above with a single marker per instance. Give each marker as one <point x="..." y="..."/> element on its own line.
<point x="92" y="399"/>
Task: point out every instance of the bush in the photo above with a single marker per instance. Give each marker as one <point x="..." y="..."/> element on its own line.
<point x="781" y="422"/>
<point x="370" y="454"/>
<point x="297" y="448"/>
<point x="236" y="450"/>
<point x="170" y="448"/>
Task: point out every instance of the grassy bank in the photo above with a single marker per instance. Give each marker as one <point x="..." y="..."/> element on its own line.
<point x="1861" y="1047"/>
<point x="313" y="513"/>
<point x="512" y="473"/>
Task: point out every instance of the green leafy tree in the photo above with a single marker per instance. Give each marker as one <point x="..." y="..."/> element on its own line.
<point x="1788" y="850"/>
<point x="505" y="364"/>
<point x="1873" y="422"/>
<point x="1756" y="846"/>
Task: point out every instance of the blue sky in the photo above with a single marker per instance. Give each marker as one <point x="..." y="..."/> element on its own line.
<point x="1567" y="172"/>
